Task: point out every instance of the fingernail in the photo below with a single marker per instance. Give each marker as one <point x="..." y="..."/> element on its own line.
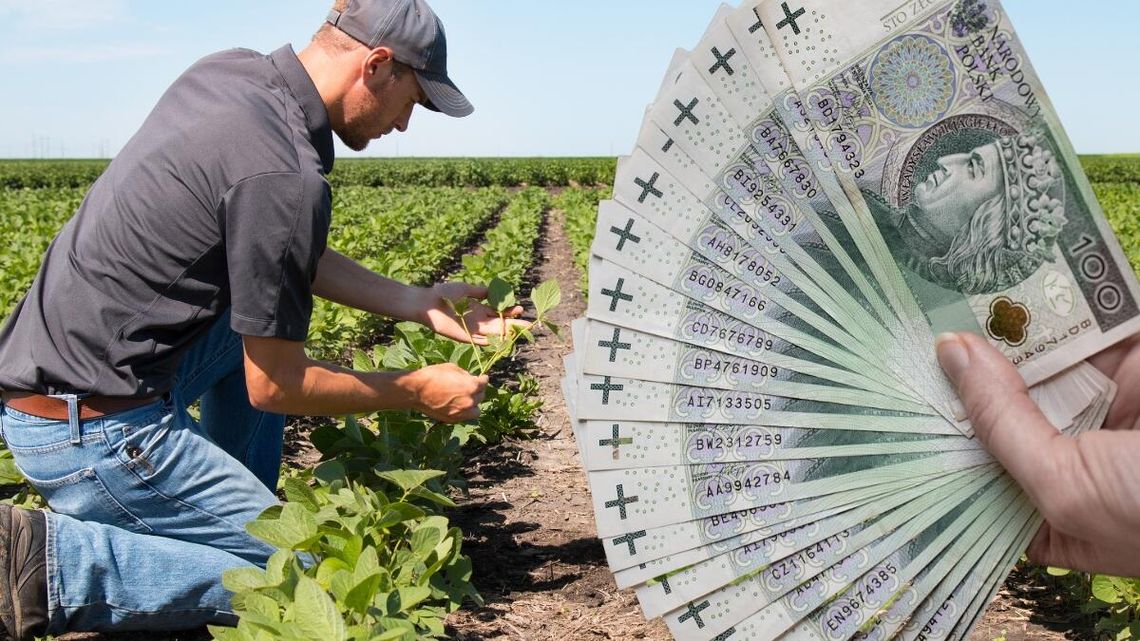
<point x="952" y="355"/>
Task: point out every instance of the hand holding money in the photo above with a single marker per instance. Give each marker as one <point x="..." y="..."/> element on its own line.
<point x="1088" y="487"/>
<point x="772" y="448"/>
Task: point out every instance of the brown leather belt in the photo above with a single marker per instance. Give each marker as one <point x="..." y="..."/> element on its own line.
<point x="56" y="410"/>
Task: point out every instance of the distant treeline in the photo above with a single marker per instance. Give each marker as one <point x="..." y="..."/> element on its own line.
<point x="455" y="172"/>
<point x="367" y="172"/>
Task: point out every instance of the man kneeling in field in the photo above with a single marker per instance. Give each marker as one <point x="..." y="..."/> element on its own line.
<point x="188" y="274"/>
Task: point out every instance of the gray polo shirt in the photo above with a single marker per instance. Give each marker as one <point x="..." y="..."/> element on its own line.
<point x="220" y="199"/>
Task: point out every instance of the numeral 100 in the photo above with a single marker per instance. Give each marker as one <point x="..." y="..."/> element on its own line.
<point x="1094" y="268"/>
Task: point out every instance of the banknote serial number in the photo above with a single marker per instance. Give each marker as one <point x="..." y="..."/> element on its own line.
<point x="731" y="292"/>
<point x="753" y="482"/>
<point x="764" y="202"/>
<point x="793" y="565"/>
<point x="747" y="338"/>
<point x="759" y="233"/>
<point x="709" y="401"/>
<point x="868" y="589"/>
<point x="734" y="518"/>
<point x="939" y="619"/>
<point x="758" y="370"/>
<point x="738" y="442"/>
<point x="744" y="259"/>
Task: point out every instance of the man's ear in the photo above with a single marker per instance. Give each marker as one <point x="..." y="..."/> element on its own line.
<point x="376" y="61"/>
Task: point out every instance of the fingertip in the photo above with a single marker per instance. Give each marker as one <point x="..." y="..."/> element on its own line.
<point x="953" y="356"/>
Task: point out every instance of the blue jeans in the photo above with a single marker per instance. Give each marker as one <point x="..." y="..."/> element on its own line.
<point x="149" y="506"/>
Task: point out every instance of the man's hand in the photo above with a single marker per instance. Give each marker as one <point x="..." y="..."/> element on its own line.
<point x="1088" y="486"/>
<point x="446" y="392"/>
<point x="282" y="379"/>
<point x="481" y="320"/>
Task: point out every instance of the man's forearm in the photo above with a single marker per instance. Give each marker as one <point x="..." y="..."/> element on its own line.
<point x="323" y="389"/>
<point x="345" y="281"/>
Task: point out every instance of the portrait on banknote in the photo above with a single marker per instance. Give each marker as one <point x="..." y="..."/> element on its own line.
<point x="978" y="207"/>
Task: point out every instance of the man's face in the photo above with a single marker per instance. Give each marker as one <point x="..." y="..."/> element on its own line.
<point x="380" y="103"/>
<point x="951" y="194"/>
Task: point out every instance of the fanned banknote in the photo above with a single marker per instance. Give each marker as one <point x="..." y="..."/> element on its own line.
<point x="818" y="189"/>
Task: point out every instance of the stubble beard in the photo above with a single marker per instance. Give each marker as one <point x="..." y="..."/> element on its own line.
<point x="356" y="108"/>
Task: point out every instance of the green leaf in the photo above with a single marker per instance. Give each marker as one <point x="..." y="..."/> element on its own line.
<point x="298" y="491"/>
<point x="277" y="566"/>
<point x="219" y="633"/>
<point x="394" y="629"/>
<point x="398" y="512"/>
<point x="368" y="564"/>
<point x="459" y="307"/>
<point x="330" y="471"/>
<point x="546" y="297"/>
<point x="434" y="497"/>
<point x="407" y="480"/>
<point x="340" y="585"/>
<point x="361" y="361"/>
<point x="242" y="579"/>
<point x="1057" y="571"/>
<point x="261" y="604"/>
<point x="9" y="473"/>
<point x="316" y="614"/>
<point x="413" y="595"/>
<point x="329" y="568"/>
<point x="325" y="437"/>
<point x="1104" y="588"/>
<point x="553" y="328"/>
<point x="294" y="530"/>
<point x="360" y="597"/>
<point x="500" y="295"/>
<point x="427" y="535"/>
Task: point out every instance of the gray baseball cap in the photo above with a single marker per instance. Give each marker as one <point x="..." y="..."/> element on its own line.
<point x="415" y="35"/>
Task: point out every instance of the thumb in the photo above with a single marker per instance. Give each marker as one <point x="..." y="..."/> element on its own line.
<point x="478" y="292"/>
<point x="455" y="290"/>
<point x="1006" y="420"/>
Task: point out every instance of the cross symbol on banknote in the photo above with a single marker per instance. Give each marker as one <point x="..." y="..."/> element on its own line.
<point x="790" y="18"/>
<point x="625" y="234"/>
<point x="605" y="388"/>
<point x="617" y="295"/>
<point x="616" y="441"/>
<point x="665" y="584"/>
<point x="686" y="112"/>
<point x="694" y="613"/>
<point x="630" y="539"/>
<point x="722" y="61"/>
<point x="621" y="501"/>
<point x="648" y="188"/>
<point x="723" y="636"/>
<point x="667" y="146"/>
<point x="613" y="345"/>
<point x="759" y="23"/>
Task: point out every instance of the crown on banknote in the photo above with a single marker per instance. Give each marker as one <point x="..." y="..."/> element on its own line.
<point x="1035" y="217"/>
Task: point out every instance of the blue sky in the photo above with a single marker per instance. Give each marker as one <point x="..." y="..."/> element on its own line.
<point x="547" y="78"/>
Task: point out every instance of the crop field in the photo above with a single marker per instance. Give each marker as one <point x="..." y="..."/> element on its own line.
<point x="482" y="530"/>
